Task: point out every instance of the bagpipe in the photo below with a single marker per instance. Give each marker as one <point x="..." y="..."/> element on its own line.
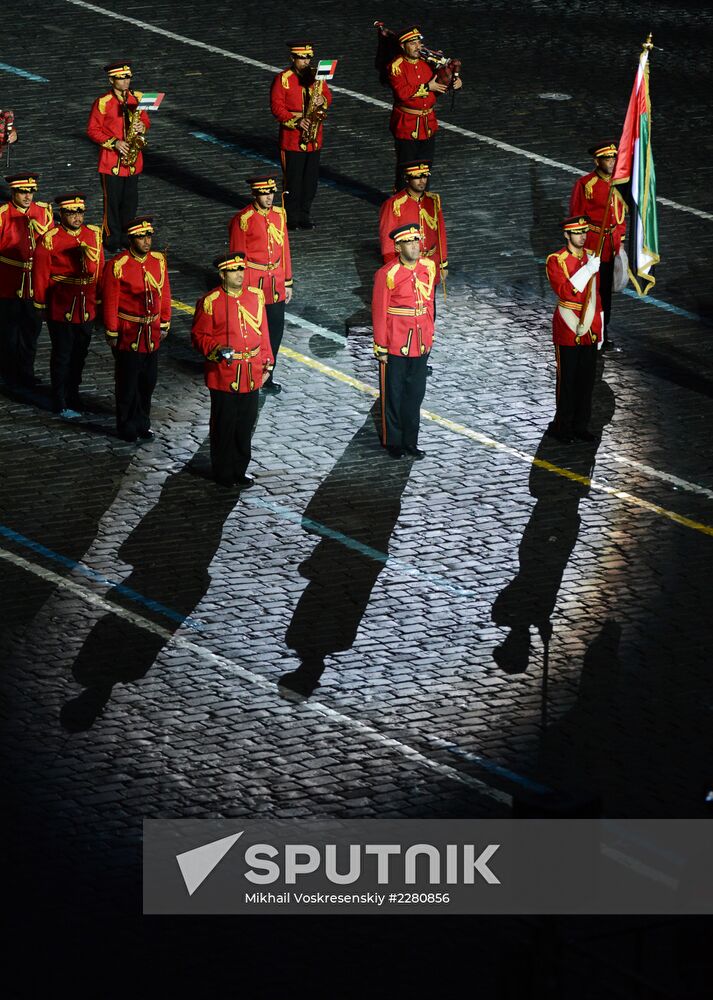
<point x="7" y="124"/>
<point x="388" y="48"/>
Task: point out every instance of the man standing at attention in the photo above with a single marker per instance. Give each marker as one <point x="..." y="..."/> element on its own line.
<point x="230" y="331"/>
<point x="137" y="317"/>
<point x="66" y="273"/>
<point x="590" y="195"/>
<point x="402" y="315"/>
<point x="23" y="221"/>
<point x="576" y="331"/>
<point x="414" y="204"/>
<point x="259" y="232"/>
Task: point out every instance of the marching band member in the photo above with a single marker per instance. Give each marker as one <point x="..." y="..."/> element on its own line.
<point x="137" y="317"/>
<point x="230" y="330"/>
<point x="259" y="232"/>
<point x="22" y="222"/>
<point x="402" y="315"/>
<point x="66" y="272"/>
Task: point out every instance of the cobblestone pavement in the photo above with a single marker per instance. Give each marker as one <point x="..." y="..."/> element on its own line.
<point x="504" y="618"/>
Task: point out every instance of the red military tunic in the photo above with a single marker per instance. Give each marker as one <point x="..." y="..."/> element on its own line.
<point x="413" y="116"/>
<point x="561" y="266"/>
<point x="589" y="197"/>
<point x="402" y="308"/>
<point x="288" y="103"/>
<point x="19" y="231"/>
<point x="262" y="236"/>
<point x="237" y="320"/>
<point x="107" y="124"/>
<point x="137" y="301"/>
<point x="424" y="212"/>
<point x="66" y="273"/>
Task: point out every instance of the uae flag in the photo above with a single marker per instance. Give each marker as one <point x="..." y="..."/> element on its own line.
<point x="150" y="102"/>
<point x="635" y="169"/>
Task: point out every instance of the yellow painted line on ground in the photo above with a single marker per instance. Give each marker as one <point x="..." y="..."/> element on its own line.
<point x="487" y="442"/>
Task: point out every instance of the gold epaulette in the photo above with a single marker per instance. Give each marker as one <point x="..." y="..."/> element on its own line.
<point x="103" y="101"/>
<point x="157" y="255"/>
<point x="119" y="265"/>
<point x="245" y="219"/>
<point x="430" y="264"/>
<point x="285" y="78"/>
<point x="138" y="94"/>
<point x="396" y="207"/>
<point x="258" y="291"/>
<point x="395" y="67"/>
<point x="208" y="301"/>
<point x="4" y="208"/>
<point x="99" y="232"/>
<point x="589" y="187"/>
<point x="391" y="274"/>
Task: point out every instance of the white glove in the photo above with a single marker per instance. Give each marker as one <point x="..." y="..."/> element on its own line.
<point x="580" y="279"/>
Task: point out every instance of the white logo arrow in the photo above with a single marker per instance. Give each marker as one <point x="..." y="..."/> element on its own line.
<point x="196" y="865"/>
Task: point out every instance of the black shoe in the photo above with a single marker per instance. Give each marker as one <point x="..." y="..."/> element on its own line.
<point x="609" y="345"/>
<point x="273" y="387"/>
<point x="429" y="370"/>
<point x="558" y="435"/>
<point x="585" y="436"/>
<point x="412" y="450"/>
<point x="308" y="224"/>
<point x="147" y="435"/>
<point x="395" y="452"/>
<point x="244" y="482"/>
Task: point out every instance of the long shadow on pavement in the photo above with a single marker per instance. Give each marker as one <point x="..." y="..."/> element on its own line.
<point x="360" y="500"/>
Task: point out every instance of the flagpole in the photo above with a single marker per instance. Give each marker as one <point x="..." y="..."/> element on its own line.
<point x="646" y="47"/>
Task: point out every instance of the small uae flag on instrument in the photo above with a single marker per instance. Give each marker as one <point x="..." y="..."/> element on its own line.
<point x="150" y="102"/>
<point x="326" y="68"/>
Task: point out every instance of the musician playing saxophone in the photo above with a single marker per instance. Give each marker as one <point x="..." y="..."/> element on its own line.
<point x="413" y="117"/>
<point x="298" y="101"/>
<point x="113" y="119"/>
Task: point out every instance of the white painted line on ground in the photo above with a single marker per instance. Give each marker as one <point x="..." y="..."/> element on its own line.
<point x="667" y="477"/>
<point x="363" y="728"/>
<point x="364" y="98"/>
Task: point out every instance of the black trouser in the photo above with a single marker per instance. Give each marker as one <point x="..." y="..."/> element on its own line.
<point x="232" y="418"/>
<point x="404" y="384"/>
<point x="276" y="325"/>
<point x="410" y="150"/>
<point x="576" y="370"/>
<point x="300" y="180"/>
<point x="20" y="325"/>
<point x="606" y="281"/>
<point x="136" y="376"/>
<point x="121" y="203"/>
<point x="70" y="343"/>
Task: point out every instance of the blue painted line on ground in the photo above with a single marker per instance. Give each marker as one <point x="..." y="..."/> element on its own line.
<point x="488" y="765"/>
<point x="23" y="73"/>
<point x="366" y="550"/>
<point x="91" y="574"/>
<point x="274" y="162"/>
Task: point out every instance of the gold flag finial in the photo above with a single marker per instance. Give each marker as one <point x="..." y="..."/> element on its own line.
<point x="649" y="43"/>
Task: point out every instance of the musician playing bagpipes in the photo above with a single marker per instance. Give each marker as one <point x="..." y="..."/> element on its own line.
<point x="416" y="76"/>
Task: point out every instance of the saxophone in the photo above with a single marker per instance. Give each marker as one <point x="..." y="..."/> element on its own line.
<point x="314" y="116"/>
<point x="137" y="140"/>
